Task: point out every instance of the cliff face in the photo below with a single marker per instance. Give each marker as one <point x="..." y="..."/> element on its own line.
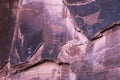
<point x="59" y="40"/>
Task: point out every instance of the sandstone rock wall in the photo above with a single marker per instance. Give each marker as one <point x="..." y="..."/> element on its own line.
<point x="59" y="40"/>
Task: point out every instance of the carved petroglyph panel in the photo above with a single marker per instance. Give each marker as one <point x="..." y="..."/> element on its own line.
<point x="39" y="23"/>
<point x="94" y="16"/>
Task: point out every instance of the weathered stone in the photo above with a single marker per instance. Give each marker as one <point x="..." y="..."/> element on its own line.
<point x="7" y="22"/>
<point x="4" y="30"/>
<point x="45" y="71"/>
<point x="72" y="52"/>
<point x="39" y="33"/>
<point x="48" y="44"/>
<point x="94" y="16"/>
<point x="102" y="56"/>
<point x="92" y="76"/>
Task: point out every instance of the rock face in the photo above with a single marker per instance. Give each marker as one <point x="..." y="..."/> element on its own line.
<point x="59" y="40"/>
<point x="94" y="16"/>
<point x="38" y="30"/>
<point x="7" y="21"/>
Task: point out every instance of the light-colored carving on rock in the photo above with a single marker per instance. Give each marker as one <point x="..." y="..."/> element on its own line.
<point x="91" y="19"/>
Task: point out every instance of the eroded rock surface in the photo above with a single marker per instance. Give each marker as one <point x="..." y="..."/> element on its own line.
<point x="60" y="40"/>
<point x="37" y="25"/>
<point x="7" y="22"/>
<point x="94" y="16"/>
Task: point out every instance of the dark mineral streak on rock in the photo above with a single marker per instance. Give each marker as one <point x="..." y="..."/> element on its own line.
<point x="7" y="21"/>
<point x="35" y="29"/>
<point x="85" y="12"/>
<point x="29" y="32"/>
<point x="74" y="1"/>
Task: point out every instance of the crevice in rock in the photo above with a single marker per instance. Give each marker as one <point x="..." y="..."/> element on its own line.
<point x="22" y="67"/>
<point x="64" y="63"/>
<point x="102" y="32"/>
<point x="114" y="26"/>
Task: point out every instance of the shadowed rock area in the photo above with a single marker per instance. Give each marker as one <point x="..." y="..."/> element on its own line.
<point x="7" y="22"/>
<point x="59" y="40"/>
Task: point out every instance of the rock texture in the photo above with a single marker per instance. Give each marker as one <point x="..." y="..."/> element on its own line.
<point x="94" y="16"/>
<point x="7" y="21"/>
<point x="59" y="40"/>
